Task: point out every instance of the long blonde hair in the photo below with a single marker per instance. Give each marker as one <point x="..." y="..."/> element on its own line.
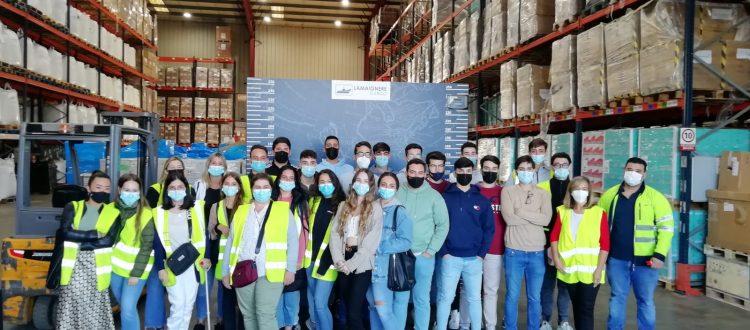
<point x="205" y="177"/>
<point x="569" y="202"/>
<point x="164" y="171"/>
<point x="365" y="210"/>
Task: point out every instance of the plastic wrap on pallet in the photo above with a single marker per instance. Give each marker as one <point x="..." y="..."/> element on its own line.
<point x="513" y="28"/>
<point x="442" y="9"/>
<point x="532" y="89"/>
<point x="487" y="147"/>
<point x="523" y="145"/>
<point x="214" y="78"/>
<point x="186" y="107"/>
<point x="201" y="77"/>
<point x="212" y="134"/>
<point x="591" y="68"/>
<point x="227" y="111"/>
<point x="621" y="44"/>
<point x="214" y="108"/>
<point x="562" y="143"/>
<point x="161" y="106"/>
<point x="173" y="107"/>
<point x="507" y="155"/>
<point x="487" y="34"/>
<point x="461" y="47"/>
<point x="227" y="80"/>
<point x="183" y="133"/>
<point x="619" y="145"/>
<point x="563" y="74"/>
<point x="536" y="18"/>
<point x="199" y="107"/>
<point x="566" y="10"/>
<point x="437" y="61"/>
<point x="721" y="21"/>
<point x="592" y="159"/>
<point x="499" y="26"/>
<point x="661" y="68"/>
<point x="186" y="76"/>
<point x="172" y="75"/>
<point x="427" y="61"/>
<point x="448" y="57"/>
<point x="476" y="31"/>
<point x="658" y="146"/>
<point x="508" y="72"/>
<point x="200" y="133"/>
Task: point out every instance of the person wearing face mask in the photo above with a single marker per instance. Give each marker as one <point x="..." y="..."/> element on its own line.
<point x="307" y="163"/>
<point x="332" y="162"/>
<point x="155" y="193"/>
<point x="382" y="153"/>
<point x="208" y="190"/>
<point x="387" y="307"/>
<point x="472" y="226"/>
<point x="436" y="171"/>
<point x="363" y="156"/>
<point x="87" y="234"/>
<point x="179" y="221"/>
<point x="537" y="152"/>
<point x="219" y="222"/>
<point x="281" y="148"/>
<point x="526" y="209"/>
<point x="580" y="245"/>
<point x="469" y="151"/>
<point x="355" y="236"/>
<point x="641" y="229"/>
<point x="287" y="189"/>
<point x="557" y="187"/>
<point x="321" y="273"/>
<point x="411" y="151"/>
<point x="426" y="207"/>
<point x="131" y="255"/>
<point x="263" y="236"/>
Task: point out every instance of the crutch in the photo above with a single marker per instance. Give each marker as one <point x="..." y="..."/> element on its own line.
<point x="208" y="299"/>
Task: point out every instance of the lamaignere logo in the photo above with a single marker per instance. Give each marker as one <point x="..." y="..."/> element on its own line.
<point x="343" y="89"/>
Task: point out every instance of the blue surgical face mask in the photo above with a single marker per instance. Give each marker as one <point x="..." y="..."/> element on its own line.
<point x="326" y="189"/>
<point x="177" y="195"/>
<point x="562" y="174"/>
<point x="287" y="185"/>
<point x="381" y="161"/>
<point x="538" y="159"/>
<point x="361" y="188"/>
<point x="262" y="195"/>
<point x="386" y="193"/>
<point x="129" y="198"/>
<point x="308" y="171"/>
<point x="525" y="177"/>
<point x="473" y="160"/>
<point x="215" y="170"/>
<point x="258" y="166"/>
<point x="230" y="191"/>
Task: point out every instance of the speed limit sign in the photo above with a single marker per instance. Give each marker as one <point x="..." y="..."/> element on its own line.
<point x="687" y="139"/>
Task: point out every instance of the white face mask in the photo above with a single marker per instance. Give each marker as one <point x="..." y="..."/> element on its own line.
<point x="363" y="162"/>
<point x="580" y="196"/>
<point x="632" y="178"/>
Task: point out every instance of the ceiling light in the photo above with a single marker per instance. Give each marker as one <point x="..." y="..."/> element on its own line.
<point x="267" y="19"/>
<point x="337" y="23"/>
<point x="345" y="3"/>
<point x="187" y="15"/>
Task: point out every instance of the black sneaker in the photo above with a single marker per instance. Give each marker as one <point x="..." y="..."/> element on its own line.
<point x="219" y="326"/>
<point x="199" y="326"/>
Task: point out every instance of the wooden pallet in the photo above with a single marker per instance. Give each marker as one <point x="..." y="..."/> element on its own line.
<point x="710" y="95"/>
<point x="726" y="254"/>
<point x="506" y="123"/>
<point x="724" y="297"/>
<point x="566" y="22"/>
<point x="595" y="7"/>
<point x="9" y="127"/>
<point x="663" y="97"/>
<point x="11" y="199"/>
<point x="594" y="107"/>
<point x="666" y="284"/>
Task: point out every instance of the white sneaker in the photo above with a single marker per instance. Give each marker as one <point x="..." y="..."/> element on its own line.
<point x="545" y="326"/>
<point x="564" y="326"/>
<point x="455" y="320"/>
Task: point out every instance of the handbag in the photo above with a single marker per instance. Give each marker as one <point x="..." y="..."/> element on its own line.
<point x="246" y="271"/>
<point x="300" y="281"/>
<point x="401" y="266"/>
<point x="184" y="256"/>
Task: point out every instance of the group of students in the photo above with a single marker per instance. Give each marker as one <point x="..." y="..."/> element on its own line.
<point x="330" y="231"/>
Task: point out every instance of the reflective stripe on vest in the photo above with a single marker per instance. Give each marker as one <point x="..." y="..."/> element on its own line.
<point x="274" y="238"/>
<point x="648" y="205"/>
<point x="331" y="273"/>
<point x="102" y="257"/>
<point x="197" y="237"/>
<point x="247" y="190"/>
<point x="221" y="217"/>
<point x="580" y="256"/>
<point x="129" y="245"/>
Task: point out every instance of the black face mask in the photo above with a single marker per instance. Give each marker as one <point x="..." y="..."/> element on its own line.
<point x="176" y="171"/>
<point x="415" y="182"/>
<point x="332" y="153"/>
<point x="489" y="177"/>
<point x="463" y="179"/>
<point x="99" y="197"/>
<point x="437" y="176"/>
<point x="281" y="157"/>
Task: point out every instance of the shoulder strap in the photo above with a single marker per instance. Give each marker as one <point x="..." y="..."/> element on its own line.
<point x="190" y="225"/>
<point x="395" y="215"/>
<point x="263" y="228"/>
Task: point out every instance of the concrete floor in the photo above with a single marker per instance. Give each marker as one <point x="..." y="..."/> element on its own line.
<point x="674" y="311"/>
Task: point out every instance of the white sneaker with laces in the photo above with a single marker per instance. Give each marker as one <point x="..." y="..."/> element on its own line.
<point x="564" y="326"/>
<point x="455" y="320"/>
<point x="545" y="326"/>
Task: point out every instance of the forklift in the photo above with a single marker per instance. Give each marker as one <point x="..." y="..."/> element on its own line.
<point x="26" y="255"/>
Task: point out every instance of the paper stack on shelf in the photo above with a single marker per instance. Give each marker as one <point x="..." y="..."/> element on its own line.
<point x="506" y="152"/>
<point x="487" y="146"/>
<point x="437" y="61"/>
<point x="183" y="133"/>
<point x="563" y="74"/>
<point x="532" y="89"/>
<point x="199" y="109"/>
<point x="186" y="107"/>
<point x="173" y="107"/>
<point x="201" y="77"/>
<point x="461" y="46"/>
<point x="592" y="159"/>
<point x="566" y="11"/>
<point x="619" y="146"/>
<point x="227" y="112"/>
<point x="200" y="133"/>
<point x="186" y="76"/>
<point x="536" y="18"/>
<point x="448" y="57"/>
<point x="498" y="26"/>
<point x="508" y="72"/>
<point x="161" y="106"/>
<point x="591" y="67"/>
<point x="513" y="28"/>
<point x="475" y="39"/>
<point x="621" y="44"/>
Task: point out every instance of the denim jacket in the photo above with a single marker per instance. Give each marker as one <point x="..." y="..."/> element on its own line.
<point x="390" y="241"/>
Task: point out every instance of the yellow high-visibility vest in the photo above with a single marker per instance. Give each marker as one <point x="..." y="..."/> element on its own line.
<point x="126" y="250"/>
<point x="197" y="237"/>
<point x="331" y="273"/>
<point x="580" y="256"/>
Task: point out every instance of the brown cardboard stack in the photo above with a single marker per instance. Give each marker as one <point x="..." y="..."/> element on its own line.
<point x="183" y="133"/>
<point x="591" y="67"/>
<point x="437" y="61"/>
<point x="621" y="44"/>
<point x="461" y="46"/>
<point x="223" y="42"/>
<point x="537" y="18"/>
<point x="199" y="108"/>
<point x="226" y="133"/>
<point x="173" y="107"/>
<point x="508" y="72"/>
<point x="169" y="131"/>
<point x="161" y="106"/>
<point x="566" y="10"/>
<point x="513" y="27"/>
<point x="186" y="76"/>
<point x="532" y="86"/>
<point x="150" y="63"/>
<point x="186" y="107"/>
<point x="201" y="77"/>
<point x="162" y="76"/>
<point x="447" y="55"/>
<point x="212" y="134"/>
<point x="172" y="77"/>
<point x="737" y="63"/>
<point x="148" y="99"/>
<point x="214" y="78"/>
<point x="563" y="74"/>
<point x="227" y="111"/>
<point x="214" y="109"/>
<point x="721" y="21"/>
<point x="200" y="133"/>
<point x="226" y="78"/>
<point x="475" y="31"/>
<point x="498" y="25"/>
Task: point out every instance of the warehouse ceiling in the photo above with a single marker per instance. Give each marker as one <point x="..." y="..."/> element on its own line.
<point x="352" y="14"/>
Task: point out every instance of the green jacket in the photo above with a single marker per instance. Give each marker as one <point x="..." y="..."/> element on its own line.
<point x="429" y="215"/>
<point x="654" y="225"/>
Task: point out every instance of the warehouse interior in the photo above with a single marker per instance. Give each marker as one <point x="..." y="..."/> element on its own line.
<point x="601" y="80"/>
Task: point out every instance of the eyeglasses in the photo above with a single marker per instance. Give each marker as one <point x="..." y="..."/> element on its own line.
<point x="363" y="154"/>
<point x="559" y="166"/>
<point x="528" y="197"/>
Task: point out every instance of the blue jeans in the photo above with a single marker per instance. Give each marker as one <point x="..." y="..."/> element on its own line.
<point x="520" y="264"/>
<point x="200" y="301"/>
<point x="155" y="316"/>
<point x="387" y="308"/>
<point x="287" y="313"/>
<point x="451" y="270"/>
<point x="622" y="276"/>
<point x="423" y="272"/>
<point x="548" y="296"/>
<point x="127" y="296"/>
<point x="318" y="292"/>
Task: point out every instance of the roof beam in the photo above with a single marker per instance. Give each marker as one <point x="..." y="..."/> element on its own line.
<point x="310" y="20"/>
<point x="305" y="6"/>
<point x="304" y="13"/>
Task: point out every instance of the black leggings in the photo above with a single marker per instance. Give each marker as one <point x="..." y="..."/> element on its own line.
<point x="353" y="289"/>
<point x="232" y="316"/>
<point x="583" y="297"/>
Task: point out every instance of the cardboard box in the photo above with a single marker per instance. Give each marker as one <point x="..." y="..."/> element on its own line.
<point x="227" y="111"/>
<point x="169" y="131"/>
<point x="186" y="107"/>
<point x="734" y="171"/>
<point x="661" y="68"/>
<point x="737" y="63"/>
<point x="728" y="215"/>
<point x="727" y="276"/>
<point x="224" y="33"/>
<point x="212" y="134"/>
<point x="200" y="133"/>
<point x="224" y="49"/>
<point x="199" y="108"/>
<point x="508" y="72"/>
<point x="172" y="76"/>
<point x="621" y="44"/>
<point x="591" y="67"/>
<point x="532" y="89"/>
<point x="214" y="109"/>
<point x="537" y="18"/>
<point x="201" y="77"/>
<point x="183" y="133"/>
<point x="161" y="106"/>
<point x="718" y="19"/>
<point x="563" y="74"/>
<point x="566" y="10"/>
<point x="173" y="107"/>
<point x="214" y="78"/>
<point x="186" y="76"/>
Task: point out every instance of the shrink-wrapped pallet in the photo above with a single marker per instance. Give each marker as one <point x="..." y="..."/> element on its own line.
<point x="563" y="74"/>
<point x="536" y="18"/>
<point x="447" y="55"/>
<point x="591" y="67"/>
<point x="621" y="44"/>
<point x="661" y="68"/>
<point x="214" y="78"/>
<point x="226" y="78"/>
<point x="186" y="76"/>
<point x="214" y="108"/>
<point x="507" y="156"/>
<point x="172" y="76"/>
<point x="161" y="106"/>
<point x="566" y="11"/>
<point x="442" y="9"/>
<point x="513" y="28"/>
<point x="487" y="34"/>
<point x="499" y="26"/>
<point x="508" y="89"/>
<point x="226" y="133"/>
<point x="724" y="21"/>
<point x="173" y="107"/>
<point x="169" y="131"/>
<point x="474" y="36"/>
<point x="227" y="111"/>
<point x="186" y="107"/>
<point x="200" y="133"/>
<point x="184" y="133"/>
<point x="201" y="77"/>
<point x="737" y="59"/>
<point x="212" y="134"/>
<point x="532" y="89"/>
<point x="437" y="61"/>
<point x="461" y="47"/>
<point x="199" y="108"/>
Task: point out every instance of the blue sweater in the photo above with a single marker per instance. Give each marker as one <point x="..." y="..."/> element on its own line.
<point x="390" y="241"/>
<point x="472" y="223"/>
